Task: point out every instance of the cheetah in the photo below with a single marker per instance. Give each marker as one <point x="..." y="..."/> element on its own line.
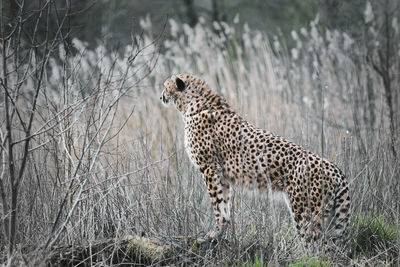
<point x="229" y="151"/>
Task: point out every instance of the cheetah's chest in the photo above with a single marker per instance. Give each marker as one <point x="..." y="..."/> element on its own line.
<point x="188" y="142"/>
<point x="199" y="140"/>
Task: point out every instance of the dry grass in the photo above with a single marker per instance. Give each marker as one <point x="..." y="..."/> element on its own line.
<point x="141" y="181"/>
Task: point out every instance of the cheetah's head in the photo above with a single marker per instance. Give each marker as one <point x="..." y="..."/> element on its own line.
<point x="183" y="90"/>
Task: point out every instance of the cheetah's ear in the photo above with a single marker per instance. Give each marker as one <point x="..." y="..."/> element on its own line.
<point x="180" y="84"/>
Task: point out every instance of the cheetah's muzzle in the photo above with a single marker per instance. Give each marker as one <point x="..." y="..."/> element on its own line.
<point x="164" y="100"/>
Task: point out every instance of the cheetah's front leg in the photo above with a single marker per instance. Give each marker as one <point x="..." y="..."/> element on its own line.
<point x="219" y="191"/>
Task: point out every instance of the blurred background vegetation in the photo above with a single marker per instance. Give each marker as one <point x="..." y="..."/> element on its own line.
<point x="116" y="21"/>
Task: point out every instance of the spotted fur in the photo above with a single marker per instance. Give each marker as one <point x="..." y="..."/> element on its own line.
<point x="230" y="151"/>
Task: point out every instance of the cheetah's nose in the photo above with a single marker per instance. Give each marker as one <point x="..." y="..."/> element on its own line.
<point x="163" y="99"/>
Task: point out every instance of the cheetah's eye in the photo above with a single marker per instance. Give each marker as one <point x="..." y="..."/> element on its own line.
<point x="180" y="84"/>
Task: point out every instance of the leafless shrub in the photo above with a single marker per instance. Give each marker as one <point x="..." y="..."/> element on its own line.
<point x="61" y="118"/>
